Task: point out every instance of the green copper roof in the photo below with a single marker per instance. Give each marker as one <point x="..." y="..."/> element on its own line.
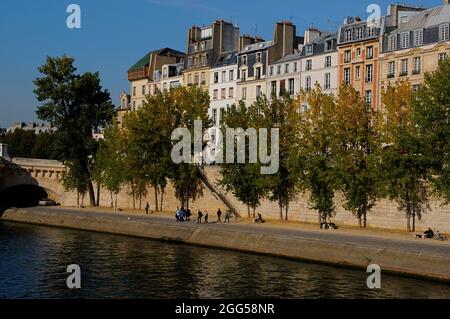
<point x="146" y="59"/>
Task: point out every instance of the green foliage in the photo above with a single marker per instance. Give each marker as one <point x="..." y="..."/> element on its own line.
<point x="27" y="144"/>
<point x="405" y="167"/>
<point x="431" y="113"/>
<point x="76" y="105"/>
<point x="355" y="146"/>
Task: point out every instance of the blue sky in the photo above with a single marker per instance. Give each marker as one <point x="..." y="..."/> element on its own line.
<point x="115" y="34"/>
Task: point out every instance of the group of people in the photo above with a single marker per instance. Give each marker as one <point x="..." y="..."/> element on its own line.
<point x="183" y="215"/>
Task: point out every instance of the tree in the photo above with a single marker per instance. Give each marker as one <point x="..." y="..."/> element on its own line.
<point x="431" y="112"/>
<point x="354" y="143"/>
<point x="20" y="143"/>
<point x="44" y="146"/>
<point x="312" y="157"/>
<point x="244" y="180"/>
<point x="406" y="169"/>
<point x="76" y="105"/>
<point x="110" y="160"/>
<point x="281" y="113"/>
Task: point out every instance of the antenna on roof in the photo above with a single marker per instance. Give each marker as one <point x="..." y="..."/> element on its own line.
<point x="256" y="30"/>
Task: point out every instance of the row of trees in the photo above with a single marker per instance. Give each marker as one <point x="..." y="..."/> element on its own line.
<point x="28" y="144"/>
<point x="327" y="144"/>
<point x="338" y="144"/>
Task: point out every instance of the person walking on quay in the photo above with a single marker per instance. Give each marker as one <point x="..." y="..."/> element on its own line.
<point x="219" y="214"/>
<point x="188" y="214"/>
<point x="199" y="218"/>
<point x="147" y="206"/>
<point x="227" y="216"/>
<point x="206" y="217"/>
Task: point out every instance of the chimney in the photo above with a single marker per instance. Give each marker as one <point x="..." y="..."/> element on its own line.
<point x="246" y="39"/>
<point x="194" y="35"/>
<point x="284" y="39"/>
<point x="311" y="34"/>
<point x="4" y="151"/>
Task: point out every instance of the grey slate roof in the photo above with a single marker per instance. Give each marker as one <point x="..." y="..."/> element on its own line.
<point x="426" y="19"/>
<point x="226" y="59"/>
<point x="319" y="44"/>
<point x="256" y="47"/>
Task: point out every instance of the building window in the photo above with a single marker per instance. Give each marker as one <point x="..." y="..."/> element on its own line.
<point x="223" y="93"/>
<point x="295" y="67"/>
<point x="369" y="73"/>
<point x="221" y="110"/>
<point x="328" y="61"/>
<point x="308" y="83"/>
<point x="189" y="80"/>
<point x="216" y="94"/>
<point x="134" y="105"/>
<point x="259" y="57"/>
<point x="282" y="87"/>
<point x="309" y="49"/>
<point x="347" y="76"/>
<point x="214" y="117"/>
<point x="443" y="56"/>
<point x="286" y="68"/>
<point x="418" y="37"/>
<point x="203" y="78"/>
<point x="392" y="43"/>
<point x="134" y="91"/>
<point x="417" y="65"/>
<point x="196" y="79"/>
<point x="391" y="69"/>
<point x="368" y="98"/>
<point x="291" y="87"/>
<point x="279" y="69"/>
<point x="258" y="73"/>
<point x="327" y="81"/>
<point x="348" y="56"/>
<point x="370" y="52"/>
<point x="358" y="72"/>
<point x="224" y="77"/>
<point x="231" y="93"/>
<point x="348" y="35"/>
<point x="216" y="77"/>
<point x="308" y="65"/>
<point x="244" y="60"/>
<point x="244" y="75"/>
<point x="416" y="87"/>
<point x="231" y="75"/>
<point x="443" y="32"/>
<point x="271" y="70"/>
<point x="329" y="45"/>
<point x="359" y="33"/>
<point x="258" y="91"/>
<point x="404" y="67"/>
<point x="273" y="86"/>
<point x="405" y="40"/>
<point x="244" y="93"/>
<point x="371" y="32"/>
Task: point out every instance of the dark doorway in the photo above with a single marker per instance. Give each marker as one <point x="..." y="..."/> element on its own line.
<point x="22" y="196"/>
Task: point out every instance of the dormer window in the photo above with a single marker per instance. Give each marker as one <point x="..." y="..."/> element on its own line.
<point x="443" y="32"/>
<point x="329" y="45"/>
<point x="418" y="37"/>
<point x="370" y="32"/>
<point x="259" y="57"/>
<point x="405" y="40"/>
<point x="392" y="42"/>
<point x="309" y="49"/>
<point x="348" y="35"/>
<point x="244" y="60"/>
<point x="359" y="33"/>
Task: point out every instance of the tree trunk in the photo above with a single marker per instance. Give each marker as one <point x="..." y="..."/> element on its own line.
<point x="133" y="192"/>
<point x="286" y="208"/>
<point x="162" y="199"/>
<point x="254" y="212"/>
<point x="112" y="200"/>
<point x="280" y="205"/>
<point x="248" y="211"/>
<point x="98" y="194"/>
<point x="78" y="199"/>
<point x="91" y="193"/>
<point x="115" y="206"/>
<point x="365" y="219"/>
<point x="156" y="198"/>
<point x="320" y="218"/>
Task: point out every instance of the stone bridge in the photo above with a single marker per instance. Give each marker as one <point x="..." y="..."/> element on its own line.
<point x="24" y="181"/>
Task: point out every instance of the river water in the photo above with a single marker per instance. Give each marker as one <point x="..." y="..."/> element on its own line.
<point x="34" y="259"/>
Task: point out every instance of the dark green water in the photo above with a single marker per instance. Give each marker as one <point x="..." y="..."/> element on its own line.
<point x="33" y="262"/>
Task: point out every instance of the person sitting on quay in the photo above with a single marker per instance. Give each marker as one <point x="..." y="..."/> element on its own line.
<point x="199" y="218"/>
<point x="429" y="234"/>
<point x="259" y="219"/>
<point x="206" y="217"/>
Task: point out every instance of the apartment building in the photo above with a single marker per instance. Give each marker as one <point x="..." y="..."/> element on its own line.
<point x="319" y="61"/>
<point x="284" y="75"/>
<point x="205" y="46"/>
<point x="415" y="47"/>
<point x="171" y="76"/>
<point x="222" y="90"/>
<point x="145" y="75"/>
<point x="255" y="58"/>
<point x="124" y="108"/>
<point x="358" y="56"/>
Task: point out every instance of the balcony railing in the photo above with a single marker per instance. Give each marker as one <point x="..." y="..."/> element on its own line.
<point x="404" y="73"/>
<point x="390" y="75"/>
